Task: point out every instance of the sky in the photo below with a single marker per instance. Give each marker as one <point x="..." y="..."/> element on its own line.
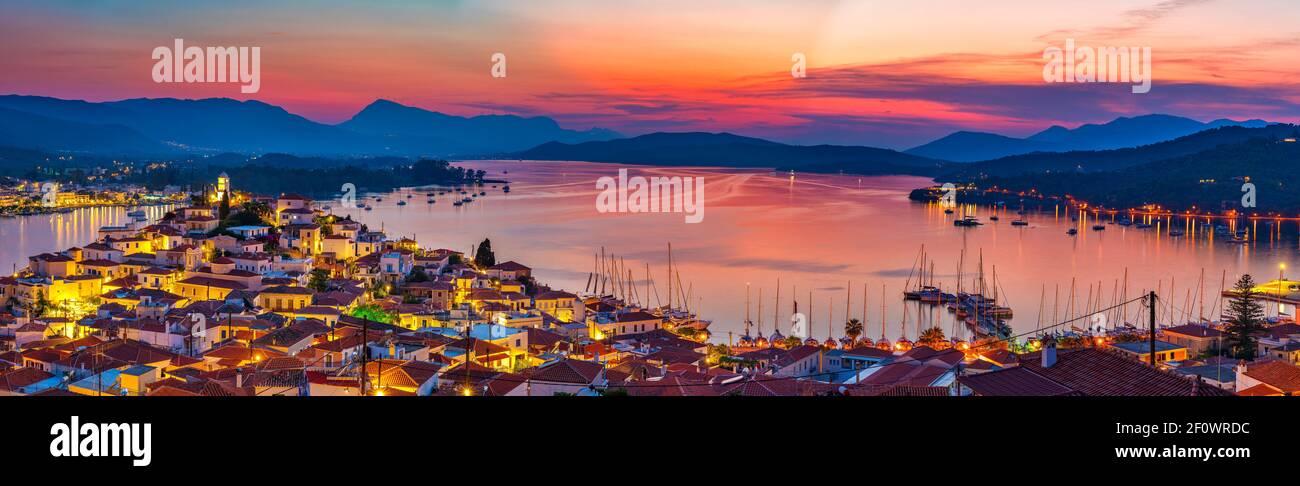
<point x="882" y="73"/>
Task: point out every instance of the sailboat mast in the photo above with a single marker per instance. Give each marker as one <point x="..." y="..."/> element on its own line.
<point x="810" y="313"/>
<point x="776" y="313"/>
<point x="746" y="308"/>
<point x="848" y="301"/>
<point x="1201" y="297"/>
<point x="670" y="276"/>
<point x="883" y="300"/>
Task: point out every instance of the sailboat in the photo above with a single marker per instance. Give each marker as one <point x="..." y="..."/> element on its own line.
<point x="683" y="315"/>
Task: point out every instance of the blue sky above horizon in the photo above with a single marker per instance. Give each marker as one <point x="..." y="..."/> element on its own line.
<point x="891" y="74"/>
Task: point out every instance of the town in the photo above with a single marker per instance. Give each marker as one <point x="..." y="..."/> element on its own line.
<point x="240" y="294"/>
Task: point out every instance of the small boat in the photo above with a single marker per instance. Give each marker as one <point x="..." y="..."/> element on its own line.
<point x="1072" y="232"/>
<point x="967" y="221"/>
<point x="1098" y="227"/>
<point x="401" y="203"/>
<point x="482" y="193"/>
<point x="408" y="196"/>
<point x="430" y="201"/>
<point x="993" y="217"/>
<point x="1143" y="226"/>
<point x="467" y="200"/>
<point x="1124" y="222"/>
<point x="428" y="194"/>
<point x="1020" y="222"/>
<point x="947" y="211"/>
<point x="368" y="208"/>
<point x="1176" y="233"/>
<point x="457" y="203"/>
<point x="505" y="189"/>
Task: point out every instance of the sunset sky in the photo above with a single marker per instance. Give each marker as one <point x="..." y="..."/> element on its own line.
<point x="882" y="73"/>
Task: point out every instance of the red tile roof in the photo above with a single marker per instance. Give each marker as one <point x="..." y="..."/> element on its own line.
<point x="1277" y="374"/>
<point x="1195" y="330"/>
<point x="1103" y="373"/>
<point x="568" y="371"/>
<point x="1016" y="381"/>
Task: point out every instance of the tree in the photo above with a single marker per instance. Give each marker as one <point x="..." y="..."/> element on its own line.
<point x="38" y="308"/>
<point x="260" y="209"/>
<point x="931" y="337"/>
<point x="1245" y="320"/>
<point x="530" y="286"/>
<point x="374" y="313"/>
<point x="853" y="329"/>
<point x="223" y="211"/>
<point x="417" y="275"/>
<point x="716" y="352"/>
<point x="319" y="280"/>
<point x="483" y="257"/>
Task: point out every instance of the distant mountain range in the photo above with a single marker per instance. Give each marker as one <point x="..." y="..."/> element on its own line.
<point x="1081" y="161"/>
<point x="1119" y="133"/>
<point x="221" y="129"/>
<point x="1205" y="179"/>
<point x="167" y="125"/>
<point x="410" y="130"/>
<point x="729" y="150"/>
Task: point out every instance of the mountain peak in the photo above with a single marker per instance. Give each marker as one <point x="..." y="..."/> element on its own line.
<point x="1120" y="132"/>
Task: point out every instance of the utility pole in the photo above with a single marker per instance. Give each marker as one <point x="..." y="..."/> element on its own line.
<point x="1152" y="303"/>
<point x="365" y="351"/>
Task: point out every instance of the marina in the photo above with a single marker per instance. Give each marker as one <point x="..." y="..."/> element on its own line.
<point x="758" y="228"/>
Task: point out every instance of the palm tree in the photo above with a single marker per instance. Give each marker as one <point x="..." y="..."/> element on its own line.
<point x="931" y="337"/>
<point x="853" y="329"/>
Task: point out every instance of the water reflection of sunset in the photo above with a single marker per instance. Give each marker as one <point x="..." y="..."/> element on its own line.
<point x="25" y="236"/>
<point x="815" y="234"/>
